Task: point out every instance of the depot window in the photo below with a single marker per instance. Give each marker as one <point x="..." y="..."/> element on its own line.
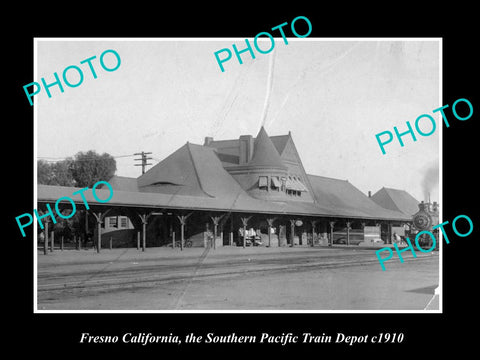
<point x="112" y="221"/>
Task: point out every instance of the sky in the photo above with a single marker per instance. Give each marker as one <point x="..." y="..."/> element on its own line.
<point x="334" y="95"/>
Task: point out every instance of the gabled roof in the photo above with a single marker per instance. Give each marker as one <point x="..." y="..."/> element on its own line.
<point x="175" y="169"/>
<point x="176" y="174"/>
<point x="213" y="178"/>
<point x="280" y="141"/>
<point x="123" y="183"/>
<point x="398" y="200"/>
<point x="228" y="150"/>
<point x="193" y="170"/>
<point x="230" y="147"/>
<point x="343" y="198"/>
<point x="264" y="152"/>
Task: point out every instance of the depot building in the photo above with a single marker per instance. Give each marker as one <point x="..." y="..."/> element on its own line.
<point x="239" y="192"/>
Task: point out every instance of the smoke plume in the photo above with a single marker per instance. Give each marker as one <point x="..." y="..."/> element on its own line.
<point x="430" y="180"/>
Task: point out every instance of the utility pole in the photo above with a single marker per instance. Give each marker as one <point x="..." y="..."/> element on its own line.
<point x="143" y="160"/>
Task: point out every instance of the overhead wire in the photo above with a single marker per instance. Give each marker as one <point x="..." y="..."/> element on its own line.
<point x="56" y="159"/>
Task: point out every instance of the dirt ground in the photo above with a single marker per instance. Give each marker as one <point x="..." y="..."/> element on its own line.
<point x="272" y="279"/>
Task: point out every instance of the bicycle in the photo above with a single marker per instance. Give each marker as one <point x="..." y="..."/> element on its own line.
<point x="186" y="243"/>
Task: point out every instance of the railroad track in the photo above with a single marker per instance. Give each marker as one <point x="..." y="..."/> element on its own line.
<point x="112" y="277"/>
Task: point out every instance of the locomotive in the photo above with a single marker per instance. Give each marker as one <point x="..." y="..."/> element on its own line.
<point x="425" y="219"/>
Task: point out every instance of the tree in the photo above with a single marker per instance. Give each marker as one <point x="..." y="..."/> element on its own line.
<point x="44" y="173"/>
<point x="57" y="173"/>
<point x="87" y="168"/>
<point x="84" y="169"/>
<point x="62" y="174"/>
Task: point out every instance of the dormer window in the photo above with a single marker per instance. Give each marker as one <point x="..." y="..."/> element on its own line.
<point x="263" y="182"/>
<point x="276" y="184"/>
<point x="300" y="185"/>
<point x="294" y="186"/>
<point x="288" y="184"/>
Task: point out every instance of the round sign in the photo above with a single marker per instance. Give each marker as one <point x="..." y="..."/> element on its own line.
<point x="298" y="223"/>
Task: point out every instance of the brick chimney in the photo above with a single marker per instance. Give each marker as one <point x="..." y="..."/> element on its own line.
<point x="246" y="149"/>
<point x="208" y="141"/>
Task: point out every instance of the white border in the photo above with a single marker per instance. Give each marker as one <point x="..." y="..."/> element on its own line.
<point x="35" y="195"/>
<point x="440" y="180"/>
<point x="35" y="143"/>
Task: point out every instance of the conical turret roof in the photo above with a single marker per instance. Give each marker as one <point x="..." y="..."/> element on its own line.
<point x="264" y="152"/>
